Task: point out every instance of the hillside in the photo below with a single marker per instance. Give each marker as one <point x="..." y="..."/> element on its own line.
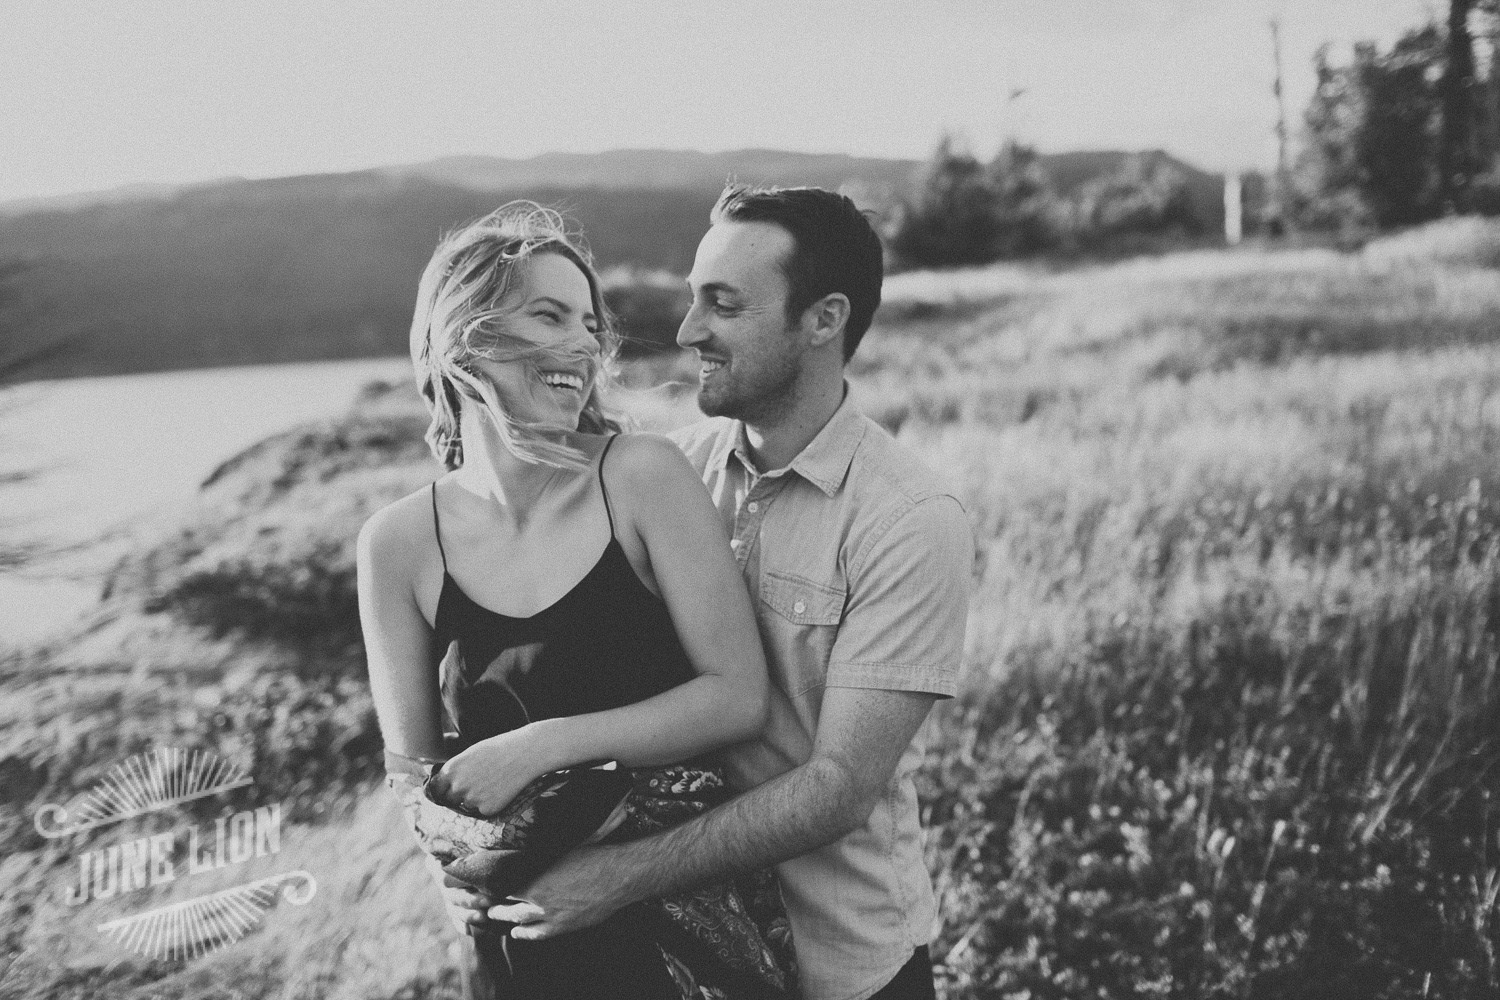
<point x="658" y="169"/>
<point x="1229" y="723"/>
<point x="661" y="168"/>
<point x="326" y="266"/>
<point x="1070" y="171"/>
<point x="285" y="270"/>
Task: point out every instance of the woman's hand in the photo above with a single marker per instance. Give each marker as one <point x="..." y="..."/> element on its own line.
<point x="484" y="778"/>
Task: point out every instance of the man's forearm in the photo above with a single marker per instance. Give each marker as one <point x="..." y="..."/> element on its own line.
<point x="799" y="811"/>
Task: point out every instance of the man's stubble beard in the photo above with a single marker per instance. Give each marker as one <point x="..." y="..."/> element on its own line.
<point x="770" y="396"/>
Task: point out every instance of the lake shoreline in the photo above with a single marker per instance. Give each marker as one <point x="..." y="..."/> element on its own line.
<point x="107" y="455"/>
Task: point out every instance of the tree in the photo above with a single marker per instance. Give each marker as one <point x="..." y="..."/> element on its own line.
<point x="1372" y="135"/>
<point x="1146" y="196"/>
<point x="1488" y="89"/>
<point x="1327" y="176"/>
<point x="1024" y="202"/>
<point x="952" y="219"/>
<point x="1396" y="145"/>
<point x="1458" y="158"/>
<point x="967" y="212"/>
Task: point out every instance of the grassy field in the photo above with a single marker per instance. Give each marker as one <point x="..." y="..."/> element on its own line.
<point x="1231" y="718"/>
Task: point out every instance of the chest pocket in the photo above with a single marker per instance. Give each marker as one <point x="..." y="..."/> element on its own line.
<point x="800" y="627"/>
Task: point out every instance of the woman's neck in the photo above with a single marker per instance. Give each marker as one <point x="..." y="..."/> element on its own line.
<point x="490" y="470"/>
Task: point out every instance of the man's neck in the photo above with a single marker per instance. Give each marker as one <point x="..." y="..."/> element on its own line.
<point x="773" y="445"/>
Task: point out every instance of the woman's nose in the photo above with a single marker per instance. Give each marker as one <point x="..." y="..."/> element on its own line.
<point x="583" y="340"/>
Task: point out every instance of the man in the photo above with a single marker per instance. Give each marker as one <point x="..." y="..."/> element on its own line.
<point x="860" y="564"/>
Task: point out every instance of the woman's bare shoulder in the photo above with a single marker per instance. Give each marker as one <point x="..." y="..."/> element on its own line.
<point x="640" y="461"/>
<point x="640" y="452"/>
<point x="651" y="481"/>
<point x="400" y="532"/>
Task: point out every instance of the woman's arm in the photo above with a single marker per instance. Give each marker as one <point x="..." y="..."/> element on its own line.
<point x="403" y="684"/>
<point x="656" y="494"/>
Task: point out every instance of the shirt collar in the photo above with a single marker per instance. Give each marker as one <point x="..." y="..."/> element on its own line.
<point x="824" y="462"/>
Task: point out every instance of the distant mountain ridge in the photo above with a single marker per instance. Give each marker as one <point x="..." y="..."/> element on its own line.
<point x="326" y="265"/>
<point x="642" y="169"/>
<point x="649" y="169"/>
<point x="662" y="168"/>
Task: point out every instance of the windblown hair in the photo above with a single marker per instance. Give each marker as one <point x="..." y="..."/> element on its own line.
<point x="465" y="297"/>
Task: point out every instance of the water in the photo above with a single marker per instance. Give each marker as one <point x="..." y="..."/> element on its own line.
<point x="110" y="452"/>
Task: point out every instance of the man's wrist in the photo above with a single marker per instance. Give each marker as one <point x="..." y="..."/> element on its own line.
<point x="617" y="876"/>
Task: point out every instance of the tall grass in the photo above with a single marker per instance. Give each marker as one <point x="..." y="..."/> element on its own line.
<point x="1230" y="724"/>
<point x="1232" y="721"/>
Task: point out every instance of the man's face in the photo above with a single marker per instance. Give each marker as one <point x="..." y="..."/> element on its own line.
<point x="750" y="357"/>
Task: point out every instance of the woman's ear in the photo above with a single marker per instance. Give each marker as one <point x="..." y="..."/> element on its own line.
<point x="827" y="318"/>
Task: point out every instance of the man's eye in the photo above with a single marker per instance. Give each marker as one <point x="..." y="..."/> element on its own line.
<point x="724" y="308"/>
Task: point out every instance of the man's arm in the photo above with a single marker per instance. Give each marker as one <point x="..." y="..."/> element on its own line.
<point x="862" y="734"/>
<point x="898" y="650"/>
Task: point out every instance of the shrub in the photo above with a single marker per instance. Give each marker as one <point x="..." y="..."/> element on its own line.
<point x="649" y="307"/>
<point x="1463" y="241"/>
<point x="270" y="556"/>
<point x="1146" y="197"/>
<point x="966" y="212"/>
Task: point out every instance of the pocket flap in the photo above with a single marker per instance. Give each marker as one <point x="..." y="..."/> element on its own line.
<point x="801" y="601"/>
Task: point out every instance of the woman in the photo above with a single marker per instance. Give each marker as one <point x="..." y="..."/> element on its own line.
<point x="563" y="594"/>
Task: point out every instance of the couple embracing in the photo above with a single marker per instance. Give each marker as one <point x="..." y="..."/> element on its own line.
<point x="753" y="617"/>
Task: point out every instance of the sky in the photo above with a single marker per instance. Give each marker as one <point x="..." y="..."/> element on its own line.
<point x="96" y="95"/>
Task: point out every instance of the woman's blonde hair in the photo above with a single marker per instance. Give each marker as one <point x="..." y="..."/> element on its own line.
<point x="465" y="295"/>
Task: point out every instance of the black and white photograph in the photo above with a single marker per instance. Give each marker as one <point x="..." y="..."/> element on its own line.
<point x="968" y="500"/>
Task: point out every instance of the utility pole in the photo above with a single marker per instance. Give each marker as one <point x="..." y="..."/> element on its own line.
<point x="1234" y="208"/>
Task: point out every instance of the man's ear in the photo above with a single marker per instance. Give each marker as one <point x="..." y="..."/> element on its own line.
<point x="826" y="318"/>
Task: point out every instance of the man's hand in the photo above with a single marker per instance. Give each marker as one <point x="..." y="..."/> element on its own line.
<point x="466" y="906"/>
<point x="583" y="889"/>
<point x="862" y="736"/>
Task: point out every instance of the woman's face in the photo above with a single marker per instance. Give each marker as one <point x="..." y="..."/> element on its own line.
<point x="554" y="311"/>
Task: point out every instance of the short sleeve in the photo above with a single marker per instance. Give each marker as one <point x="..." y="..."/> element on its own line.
<point x="908" y="605"/>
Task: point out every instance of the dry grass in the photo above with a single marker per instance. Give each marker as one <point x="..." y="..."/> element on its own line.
<point x="1232" y="705"/>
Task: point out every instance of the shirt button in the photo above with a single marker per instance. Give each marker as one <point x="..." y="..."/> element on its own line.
<point x="734" y="543"/>
<point x="753" y="506"/>
<point x="799" y="607"/>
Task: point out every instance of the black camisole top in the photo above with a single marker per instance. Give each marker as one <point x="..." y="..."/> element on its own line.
<point x="606" y="643"/>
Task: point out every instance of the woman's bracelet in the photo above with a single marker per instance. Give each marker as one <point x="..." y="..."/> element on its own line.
<point x="406" y="764"/>
<point x="419" y="760"/>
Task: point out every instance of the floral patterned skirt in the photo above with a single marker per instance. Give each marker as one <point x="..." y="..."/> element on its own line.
<point x="725" y="941"/>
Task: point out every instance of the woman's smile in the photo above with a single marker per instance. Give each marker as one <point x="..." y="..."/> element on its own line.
<point x="564" y="380"/>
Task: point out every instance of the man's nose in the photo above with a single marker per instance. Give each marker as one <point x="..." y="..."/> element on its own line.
<point x="691" y="331"/>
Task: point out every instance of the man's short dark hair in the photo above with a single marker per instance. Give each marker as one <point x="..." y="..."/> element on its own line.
<point x="834" y="248"/>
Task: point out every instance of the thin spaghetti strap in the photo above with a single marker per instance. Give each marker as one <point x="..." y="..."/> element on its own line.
<point x="437" y="531"/>
<point x="607" y="512"/>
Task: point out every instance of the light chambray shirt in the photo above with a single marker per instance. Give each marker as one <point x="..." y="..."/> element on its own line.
<point x="860" y="565"/>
